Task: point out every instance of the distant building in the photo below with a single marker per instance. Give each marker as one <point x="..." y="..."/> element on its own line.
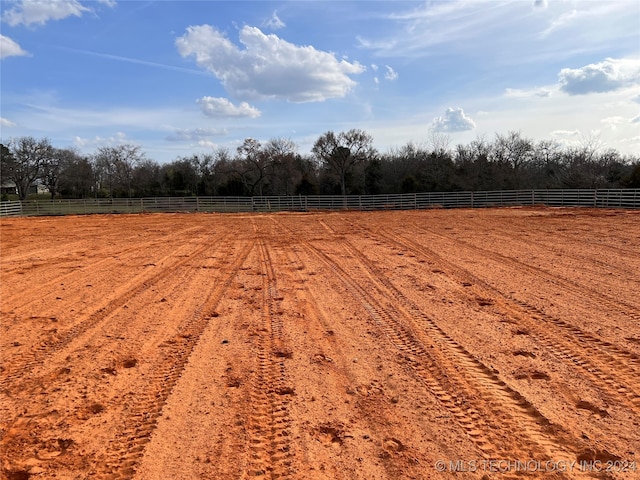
<point x="9" y="188"/>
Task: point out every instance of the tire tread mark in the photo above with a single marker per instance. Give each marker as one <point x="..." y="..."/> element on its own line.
<point x="563" y="283"/>
<point x="558" y="251"/>
<point x="316" y="314"/>
<point x="615" y="379"/>
<point x="127" y="447"/>
<point x="270" y="449"/>
<point x="441" y="376"/>
<point x="26" y="361"/>
<point x="101" y="264"/>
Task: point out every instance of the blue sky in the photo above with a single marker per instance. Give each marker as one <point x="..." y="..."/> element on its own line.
<point x="183" y="77"/>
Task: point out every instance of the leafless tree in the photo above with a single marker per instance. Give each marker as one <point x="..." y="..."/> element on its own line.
<point x="116" y="165"/>
<point x="341" y="153"/>
<point x="26" y="162"/>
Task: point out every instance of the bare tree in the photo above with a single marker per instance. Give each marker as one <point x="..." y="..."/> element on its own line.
<point x="54" y="167"/>
<point x="26" y="162"/>
<point x="255" y="166"/>
<point x="282" y="154"/>
<point x="117" y="165"/>
<point x="439" y="142"/>
<point x="343" y="152"/>
<point x="514" y="153"/>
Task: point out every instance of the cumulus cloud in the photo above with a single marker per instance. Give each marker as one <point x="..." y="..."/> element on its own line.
<point x="9" y="48"/>
<point x="268" y="67"/>
<point x="196" y="134"/>
<point x="390" y="74"/>
<point x="6" y="123"/>
<point x="454" y="120"/>
<point x="222" y="107"/>
<point x="608" y="75"/>
<point x="28" y="12"/>
<point x="274" y="23"/>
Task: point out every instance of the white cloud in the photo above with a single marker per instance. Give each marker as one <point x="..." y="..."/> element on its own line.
<point x="222" y="107"/>
<point x="568" y="138"/>
<point x="507" y="29"/>
<point x="563" y="20"/>
<point x="9" y="48"/>
<point x="535" y="92"/>
<point x="390" y="74"/>
<point x="419" y="29"/>
<point x="374" y="67"/>
<point x="613" y="122"/>
<point x="608" y="75"/>
<point x="6" y="123"/>
<point x="40" y="12"/>
<point x="199" y="134"/>
<point x="268" y="67"/>
<point x="635" y="119"/>
<point x="565" y="133"/>
<point x="636" y="98"/>
<point x="207" y="144"/>
<point x="119" y="138"/>
<point x="274" y="23"/>
<point x="454" y="120"/>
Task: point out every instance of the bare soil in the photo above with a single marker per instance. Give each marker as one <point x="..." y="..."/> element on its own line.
<point x="501" y="343"/>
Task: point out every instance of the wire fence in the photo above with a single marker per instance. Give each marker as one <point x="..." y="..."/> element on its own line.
<point x="594" y="198"/>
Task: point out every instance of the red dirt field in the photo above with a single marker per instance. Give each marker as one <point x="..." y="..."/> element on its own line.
<point x="466" y="344"/>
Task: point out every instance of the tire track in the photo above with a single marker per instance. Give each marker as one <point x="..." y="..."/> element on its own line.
<point x="611" y="367"/>
<point x="550" y="246"/>
<point x="100" y="266"/>
<point x="622" y="357"/>
<point x="143" y="408"/>
<point x="268" y="425"/>
<point x="564" y="284"/>
<point x="436" y="359"/>
<point x="118" y="327"/>
<point x="371" y="400"/>
<point x="25" y="361"/>
<point x="52" y="388"/>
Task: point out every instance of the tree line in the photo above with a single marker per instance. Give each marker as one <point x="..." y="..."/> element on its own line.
<point x="339" y="163"/>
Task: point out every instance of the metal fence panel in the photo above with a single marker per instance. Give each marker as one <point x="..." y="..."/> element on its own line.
<point x="9" y="209"/>
<point x="603" y="198"/>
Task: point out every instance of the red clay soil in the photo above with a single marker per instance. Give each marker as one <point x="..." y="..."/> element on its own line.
<point x="464" y="344"/>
